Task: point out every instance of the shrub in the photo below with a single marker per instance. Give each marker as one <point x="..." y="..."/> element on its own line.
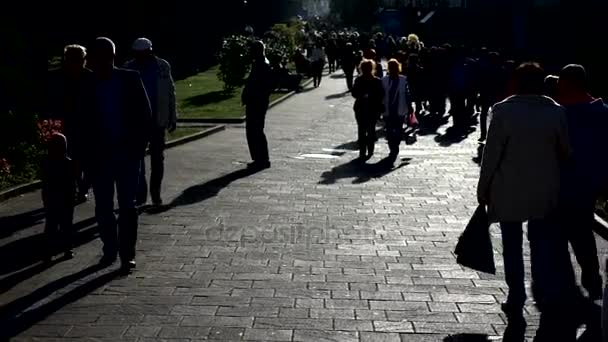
<point x="234" y="62"/>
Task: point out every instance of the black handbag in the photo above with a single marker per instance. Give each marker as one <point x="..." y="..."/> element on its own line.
<point x="474" y="249"/>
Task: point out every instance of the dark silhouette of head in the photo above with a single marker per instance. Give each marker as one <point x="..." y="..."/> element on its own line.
<point x="529" y="79"/>
<point x="103" y="53"/>
<point x="573" y="79"/>
<point x="258" y="50"/>
<point x="142" y="50"/>
<point x="551" y="86"/>
<point x="368" y="67"/>
<point x="394" y="67"/>
<point x="74" y="57"/>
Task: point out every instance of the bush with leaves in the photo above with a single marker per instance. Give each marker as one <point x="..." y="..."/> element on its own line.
<point x="234" y="62"/>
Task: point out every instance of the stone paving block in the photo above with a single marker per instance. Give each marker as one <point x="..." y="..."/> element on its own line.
<point x="453" y="328"/>
<point x="268" y="335"/>
<point x="158" y="320"/>
<point x="292" y="323"/>
<point x="332" y="313"/>
<point x="353" y="324"/>
<point x="142" y="331"/>
<point x="337" y="294"/>
<point x="463" y="298"/>
<point x="248" y="311"/>
<point x="479" y="308"/>
<point x="221" y="301"/>
<point x="102" y="331"/>
<point x="294" y="313"/>
<point x="55" y="330"/>
<point x="184" y="332"/>
<point x="273" y="302"/>
<point x="346" y="304"/>
<point x="302" y="293"/>
<point x="324" y="336"/>
<point x="379" y="337"/>
<point x="398" y="305"/>
<point x="217" y="321"/>
<point x="398" y="327"/>
<point x="421" y="316"/>
<point x="480" y="318"/>
<point x="226" y="334"/>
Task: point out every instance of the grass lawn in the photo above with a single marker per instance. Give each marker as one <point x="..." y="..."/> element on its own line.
<point x="202" y="96"/>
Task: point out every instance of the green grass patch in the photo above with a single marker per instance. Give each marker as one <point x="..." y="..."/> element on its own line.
<point x="203" y="96"/>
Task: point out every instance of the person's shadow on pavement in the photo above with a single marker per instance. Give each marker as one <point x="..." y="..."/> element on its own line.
<point x="15" y="316"/>
<point x="201" y="192"/>
<point x="360" y="171"/>
<point x="15" y="223"/>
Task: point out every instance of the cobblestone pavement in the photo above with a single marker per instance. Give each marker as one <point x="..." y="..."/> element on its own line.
<point x="313" y="249"/>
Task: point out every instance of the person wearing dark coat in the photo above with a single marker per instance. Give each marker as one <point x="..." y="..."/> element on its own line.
<point x="256" y="97"/>
<point x="368" y="93"/>
<point x="349" y="62"/>
<point x="117" y="138"/>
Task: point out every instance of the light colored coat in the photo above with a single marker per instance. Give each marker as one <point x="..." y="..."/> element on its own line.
<point x="520" y="171"/>
<point x="166" y="112"/>
<point x="403" y="95"/>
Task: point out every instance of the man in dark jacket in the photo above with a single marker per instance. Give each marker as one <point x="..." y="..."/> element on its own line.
<point x="585" y="175"/>
<point x="118" y="137"/>
<point x="256" y="96"/>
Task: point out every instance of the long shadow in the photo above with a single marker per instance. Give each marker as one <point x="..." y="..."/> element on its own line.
<point x="207" y="98"/>
<point x="429" y="124"/>
<point x="361" y="172"/>
<point x="337" y="76"/>
<point x="201" y="192"/>
<point x="467" y="338"/>
<point x="351" y="146"/>
<point x="337" y="96"/>
<point x="25" y="252"/>
<point x="454" y="136"/>
<point x="11" y="224"/>
<point x="13" y="317"/>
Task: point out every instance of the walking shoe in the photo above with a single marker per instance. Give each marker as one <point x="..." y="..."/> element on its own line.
<point x="516" y="324"/>
<point x="127" y="266"/>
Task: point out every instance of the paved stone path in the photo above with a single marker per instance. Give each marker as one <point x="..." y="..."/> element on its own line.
<point x="313" y="249"/>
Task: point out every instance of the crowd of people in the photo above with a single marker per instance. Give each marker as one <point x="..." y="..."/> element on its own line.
<point x="109" y="116"/>
<point x="540" y="165"/>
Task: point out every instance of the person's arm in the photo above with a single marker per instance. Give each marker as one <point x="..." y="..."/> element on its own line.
<point x="492" y="156"/>
<point x="172" y="101"/>
<point x="408" y="97"/>
<point x="356" y="91"/>
<point x="143" y="111"/>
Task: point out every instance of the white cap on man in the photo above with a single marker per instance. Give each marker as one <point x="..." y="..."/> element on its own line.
<point x="142" y="44"/>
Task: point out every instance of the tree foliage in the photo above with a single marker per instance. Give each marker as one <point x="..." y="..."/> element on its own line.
<point x="234" y="62"/>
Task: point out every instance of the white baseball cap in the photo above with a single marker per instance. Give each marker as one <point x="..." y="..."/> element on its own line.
<point x="142" y="44"/>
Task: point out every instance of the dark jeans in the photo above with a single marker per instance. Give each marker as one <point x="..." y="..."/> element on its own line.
<point x="553" y="283"/>
<point x="255" y="117"/>
<point x="317" y="72"/>
<point x="157" y="165"/>
<point x="579" y="220"/>
<point x="366" y="132"/>
<point x="58" y="228"/>
<point x="394" y="132"/>
<point x="118" y="172"/>
<point x="483" y="119"/>
<point x="458" y="110"/>
<point x="349" y="77"/>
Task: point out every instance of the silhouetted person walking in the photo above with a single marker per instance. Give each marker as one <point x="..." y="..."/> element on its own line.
<point x="256" y="96"/>
<point x="398" y="106"/>
<point x="586" y="174"/>
<point x="348" y="60"/>
<point x="369" y="93"/>
<point x="118" y="136"/>
<point x="155" y="73"/>
<point x="520" y="181"/>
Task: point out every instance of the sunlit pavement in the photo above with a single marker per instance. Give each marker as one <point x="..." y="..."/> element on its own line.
<point x="317" y="248"/>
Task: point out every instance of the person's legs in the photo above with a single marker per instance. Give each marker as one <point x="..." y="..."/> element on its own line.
<point x="256" y="138"/>
<point x="483" y="120"/>
<point x="349" y="78"/>
<point x="51" y="226"/>
<point x="67" y="229"/>
<point x="142" y="184"/>
<point x="361" y="136"/>
<point x="512" y="241"/>
<point x="394" y="130"/>
<point x="553" y="283"/>
<point x="157" y="164"/>
<point x="127" y="213"/>
<point x="582" y="239"/>
<point x="371" y="135"/>
<point x="103" y="189"/>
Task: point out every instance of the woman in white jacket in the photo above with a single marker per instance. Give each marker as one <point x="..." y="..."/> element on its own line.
<point x="398" y="105"/>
